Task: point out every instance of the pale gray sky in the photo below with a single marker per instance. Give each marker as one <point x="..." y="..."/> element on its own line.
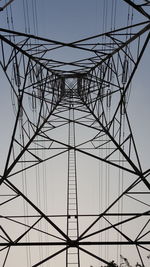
<point x="68" y="21"/>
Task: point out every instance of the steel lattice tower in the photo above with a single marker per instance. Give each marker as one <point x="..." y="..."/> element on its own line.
<point x="69" y="115"/>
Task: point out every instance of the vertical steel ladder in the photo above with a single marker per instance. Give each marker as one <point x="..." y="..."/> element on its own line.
<point x="72" y="254"/>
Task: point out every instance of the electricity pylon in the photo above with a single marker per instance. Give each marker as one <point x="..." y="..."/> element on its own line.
<point x="77" y="112"/>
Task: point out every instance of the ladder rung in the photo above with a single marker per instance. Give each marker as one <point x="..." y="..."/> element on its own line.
<point x="72" y="263"/>
<point x="72" y="253"/>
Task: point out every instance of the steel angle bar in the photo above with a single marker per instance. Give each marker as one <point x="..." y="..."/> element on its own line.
<point x="38" y="210"/>
<point x="138" y="8"/>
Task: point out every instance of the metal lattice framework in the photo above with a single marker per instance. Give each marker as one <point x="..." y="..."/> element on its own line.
<point x="75" y="112"/>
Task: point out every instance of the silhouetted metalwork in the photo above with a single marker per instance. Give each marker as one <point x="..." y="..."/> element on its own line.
<point x="70" y="95"/>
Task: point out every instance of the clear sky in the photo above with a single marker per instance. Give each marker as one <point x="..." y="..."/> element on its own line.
<point x="68" y="21"/>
